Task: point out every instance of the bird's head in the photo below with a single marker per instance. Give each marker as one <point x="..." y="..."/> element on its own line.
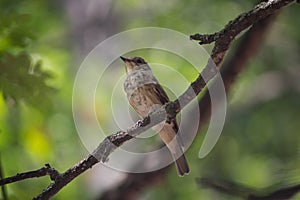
<point x="136" y="63"/>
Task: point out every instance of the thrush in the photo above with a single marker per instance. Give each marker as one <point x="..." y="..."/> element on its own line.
<point x="145" y="95"/>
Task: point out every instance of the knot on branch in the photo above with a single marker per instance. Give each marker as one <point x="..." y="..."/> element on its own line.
<point x="53" y="173"/>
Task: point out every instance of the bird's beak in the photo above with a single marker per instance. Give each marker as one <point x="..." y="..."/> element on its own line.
<point x="125" y="59"/>
<point x="128" y="64"/>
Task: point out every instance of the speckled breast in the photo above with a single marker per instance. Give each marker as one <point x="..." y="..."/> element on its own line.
<point x="137" y="79"/>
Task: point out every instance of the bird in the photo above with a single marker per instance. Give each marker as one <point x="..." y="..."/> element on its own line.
<point x="145" y="95"/>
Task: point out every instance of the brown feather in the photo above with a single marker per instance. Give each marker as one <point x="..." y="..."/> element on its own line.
<point x="143" y="100"/>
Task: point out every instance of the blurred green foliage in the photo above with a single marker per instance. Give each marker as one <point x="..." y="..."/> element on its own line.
<point x="260" y="142"/>
<point x="35" y="111"/>
<point x="21" y="78"/>
<point x="15" y="31"/>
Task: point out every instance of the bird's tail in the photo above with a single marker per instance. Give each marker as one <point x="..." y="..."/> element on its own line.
<point x="182" y="166"/>
<point x="179" y="158"/>
<point x="173" y="142"/>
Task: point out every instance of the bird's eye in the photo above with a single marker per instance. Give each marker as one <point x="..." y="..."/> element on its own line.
<point x="139" y="61"/>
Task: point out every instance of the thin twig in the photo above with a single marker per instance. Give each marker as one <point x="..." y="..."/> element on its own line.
<point x="224" y="37"/>
<point x="248" y="46"/>
<point x="44" y="171"/>
<point x="67" y="177"/>
<point x="242" y="22"/>
<point x="246" y="49"/>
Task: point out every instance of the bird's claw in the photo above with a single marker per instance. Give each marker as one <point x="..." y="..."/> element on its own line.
<point x="139" y="123"/>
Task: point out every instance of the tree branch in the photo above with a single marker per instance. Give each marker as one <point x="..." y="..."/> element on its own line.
<point x="44" y="171"/>
<point x="253" y="39"/>
<point x="249" y="193"/>
<point x="67" y="177"/>
<point x="242" y="22"/>
<point x="224" y="37"/>
<point x="170" y="110"/>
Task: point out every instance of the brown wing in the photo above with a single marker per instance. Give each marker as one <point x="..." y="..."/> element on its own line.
<point x="144" y="97"/>
<point x="153" y="93"/>
<point x="159" y="97"/>
<point x="157" y="93"/>
<point x="148" y="95"/>
<point x="164" y="98"/>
